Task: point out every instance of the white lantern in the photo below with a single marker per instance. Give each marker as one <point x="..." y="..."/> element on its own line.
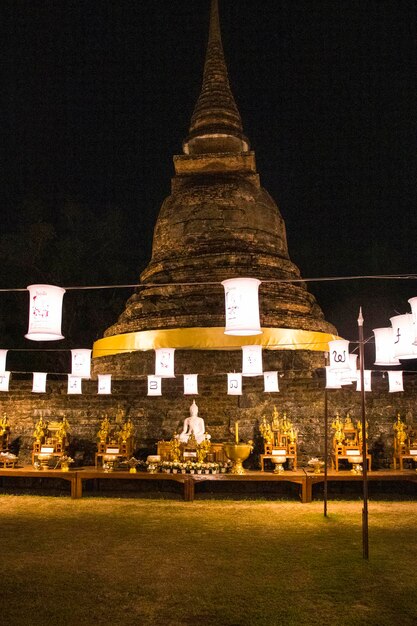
<point x="271" y="382"/>
<point x="395" y="381"/>
<point x="74" y="384"/>
<point x="384" y="346"/>
<point x="252" y="361"/>
<point x="366" y="378"/>
<point x="45" y="312"/>
<point x="3" y="356"/>
<point x="104" y="384"/>
<point x="234" y="384"/>
<point x="4" y="381"/>
<point x="413" y="304"/>
<point x="164" y="362"/>
<point x="190" y="385"/>
<point x="242" y="307"/>
<point x="39" y="382"/>
<point x="154" y="386"/>
<point x="339" y="354"/>
<point x="81" y="363"/>
<point x="332" y="378"/>
<point x="403" y="333"/>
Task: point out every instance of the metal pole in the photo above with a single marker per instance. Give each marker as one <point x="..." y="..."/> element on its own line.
<point x="365" y="537"/>
<point x="326" y="419"/>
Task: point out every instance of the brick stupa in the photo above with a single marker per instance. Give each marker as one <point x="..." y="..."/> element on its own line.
<point x="218" y="223"/>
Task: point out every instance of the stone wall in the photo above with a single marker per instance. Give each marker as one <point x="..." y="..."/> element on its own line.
<point x="301" y="397"/>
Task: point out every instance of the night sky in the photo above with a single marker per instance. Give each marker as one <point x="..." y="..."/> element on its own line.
<point x="97" y="97"/>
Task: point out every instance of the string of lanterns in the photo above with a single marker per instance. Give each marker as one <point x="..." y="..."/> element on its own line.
<point x="242" y="319"/>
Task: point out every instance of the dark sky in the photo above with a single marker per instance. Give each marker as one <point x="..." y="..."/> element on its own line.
<point x="97" y="98"/>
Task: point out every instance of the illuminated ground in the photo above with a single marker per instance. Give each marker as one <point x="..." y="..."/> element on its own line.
<point x="212" y="563"/>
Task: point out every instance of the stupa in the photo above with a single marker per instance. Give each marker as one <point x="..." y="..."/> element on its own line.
<point x="217" y="223"/>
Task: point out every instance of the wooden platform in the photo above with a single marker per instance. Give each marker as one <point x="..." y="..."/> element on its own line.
<point x="304" y="479"/>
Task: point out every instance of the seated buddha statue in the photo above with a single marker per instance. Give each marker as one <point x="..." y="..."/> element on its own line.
<point x="193" y="425"/>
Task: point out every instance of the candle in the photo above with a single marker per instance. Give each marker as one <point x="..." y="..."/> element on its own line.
<point x="237" y="431"/>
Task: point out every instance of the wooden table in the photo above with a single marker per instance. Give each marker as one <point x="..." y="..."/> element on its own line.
<point x="343" y="476"/>
<point x="297" y="477"/>
<point x="31" y="472"/>
<point x="86" y="473"/>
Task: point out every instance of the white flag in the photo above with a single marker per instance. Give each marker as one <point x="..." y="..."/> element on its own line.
<point x="103" y="384"/>
<point x="39" y="382"/>
<point x="4" y="381"/>
<point x="234" y="384"/>
<point x="74" y="384"/>
<point x="154" y="386"/>
<point x="271" y="382"/>
<point x="190" y="385"/>
<point x="395" y="381"/>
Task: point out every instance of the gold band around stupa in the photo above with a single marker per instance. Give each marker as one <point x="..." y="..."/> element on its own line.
<point x="211" y="339"/>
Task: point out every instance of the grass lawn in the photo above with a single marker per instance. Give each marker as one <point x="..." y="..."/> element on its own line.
<point x="209" y="563"/>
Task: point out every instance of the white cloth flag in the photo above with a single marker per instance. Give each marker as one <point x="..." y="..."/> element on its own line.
<point x="4" y="381"/>
<point x="366" y="379"/>
<point x="39" y="382"/>
<point x="103" y="384"/>
<point x="81" y="362"/>
<point x="395" y="381"/>
<point x="74" y="384"/>
<point x="190" y="385"/>
<point x="154" y="386"/>
<point x="271" y="382"/>
<point x="234" y="384"/>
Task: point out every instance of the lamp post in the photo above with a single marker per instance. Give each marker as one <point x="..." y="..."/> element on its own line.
<point x="365" y="539"/>
<point x="326" y="425"/>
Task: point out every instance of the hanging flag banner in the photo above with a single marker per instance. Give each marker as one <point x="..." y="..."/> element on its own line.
<point x="339" y="354"/>
<point x="347" y="377"/>
<point x="252" y="361"/>
<point x="3" y="356"/>
<point x="413" y="304"/>
<point x="190" y="385"/>
<point x="74" y="384"/>
<point x="164" y="362"/>
<point x="234" y="384"/>
<point x="367" y="380"/>
<point x="384" y="346"/>
<point x="332" y="378"/>
<point x="154" y="385"/>
<point x="242" y="306"/>
<point x="39" y="382"/>
<point x="45" y="312"/>
<point x="4" y="381"/>
<point x="81" y="362"/>
<point x="395" y="381"/>
<point x="271" y="382"/>
<point x="103" y="384"/>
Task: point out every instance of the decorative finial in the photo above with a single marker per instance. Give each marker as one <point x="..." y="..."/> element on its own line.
<point x="360" y="318"/>
<point x="216" y="125"/>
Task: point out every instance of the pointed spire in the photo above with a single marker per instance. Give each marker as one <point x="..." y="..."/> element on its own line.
<point x="216" y="125"/>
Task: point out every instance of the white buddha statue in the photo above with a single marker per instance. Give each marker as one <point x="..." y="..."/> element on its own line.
<point x="193" y="425"/>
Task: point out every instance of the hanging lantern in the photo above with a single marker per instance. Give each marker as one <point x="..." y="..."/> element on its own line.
<point x="103" y="384"/>
<point x="332" y="378"/>
<point x="339" y="354"/>
<point x="3" y="356"/>
<point x="271" y="382"/>
<point x="366" y="379"/>
<point x="252" y="361"/>
<point x="4" y="381"/>
<point x="190" y="385"/>
<point x="164" y="362"/>
<point x="81" y="363"/>
<point x="234" y="384"/>
<point x="395" y="381"/>
<point x="39" y="382"/>
<point x="45" y="312"/>
<point x="403" y="334"/>
<point x="413" y="304"/>
<point x="242" y="307"/>
<point x="154" y="385"/>
<point x="74" y="384"/>
<point x="384" y="346"/>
